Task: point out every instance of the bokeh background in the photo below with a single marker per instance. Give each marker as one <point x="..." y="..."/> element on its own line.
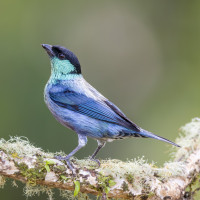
<point x="142" y="55"/>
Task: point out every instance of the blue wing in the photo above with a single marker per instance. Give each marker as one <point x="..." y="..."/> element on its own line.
<point x="98" y="109"/>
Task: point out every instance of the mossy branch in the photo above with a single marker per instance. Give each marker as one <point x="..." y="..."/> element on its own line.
<point x="20" y="160"/>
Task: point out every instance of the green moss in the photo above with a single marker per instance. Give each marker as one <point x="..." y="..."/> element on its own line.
<point x="21" y="147"/>
<point x="89" y="164"/>
<point x="33" y="174"/>
<point x="193" y="188"/>
<point x="105" y="183"/>
<point x="59" y="169"/>
<point x="15" y="155"/>
<point x="64" y="178"/>
<point x="48" y="164"/>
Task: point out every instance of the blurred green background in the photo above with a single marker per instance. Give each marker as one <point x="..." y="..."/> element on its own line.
<point x="142" y="55"/>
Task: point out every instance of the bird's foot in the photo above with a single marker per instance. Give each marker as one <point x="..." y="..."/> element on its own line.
<point x="96" y="160"/>
<point x="68" y="163"/>
<point x="60" y="157"/>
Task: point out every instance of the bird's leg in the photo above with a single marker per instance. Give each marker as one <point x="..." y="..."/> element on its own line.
<point x="82" y="141"/>
<point x="101" y="144"/>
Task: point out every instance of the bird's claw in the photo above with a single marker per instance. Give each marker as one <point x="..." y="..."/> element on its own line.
<point x="96" y="160"/>
<point x="60" y="157"/>
<point x="68" y="163"/>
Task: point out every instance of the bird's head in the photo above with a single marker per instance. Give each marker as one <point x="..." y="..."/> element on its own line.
<point x="64" y="63"/>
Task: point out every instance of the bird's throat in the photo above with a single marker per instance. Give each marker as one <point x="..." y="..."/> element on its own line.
<point x="57" y="77"/>
<point x="62" y="70"/>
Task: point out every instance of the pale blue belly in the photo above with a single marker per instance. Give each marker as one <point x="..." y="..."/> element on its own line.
<point x="83" y="124"/>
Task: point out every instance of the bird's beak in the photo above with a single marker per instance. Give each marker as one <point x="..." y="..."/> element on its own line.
<point x="49" y="50"/>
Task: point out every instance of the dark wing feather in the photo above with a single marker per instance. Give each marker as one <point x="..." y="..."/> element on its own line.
<point x="122" y="115"/>
<point x="100" y="110"/>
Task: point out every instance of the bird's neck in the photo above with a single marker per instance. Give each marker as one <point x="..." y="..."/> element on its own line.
<point x="57" y="77"/>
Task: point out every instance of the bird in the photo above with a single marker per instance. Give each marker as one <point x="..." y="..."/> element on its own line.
<point x="79" y="106"/>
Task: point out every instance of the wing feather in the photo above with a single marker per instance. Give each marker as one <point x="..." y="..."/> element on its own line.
<point x="98" y="109"/>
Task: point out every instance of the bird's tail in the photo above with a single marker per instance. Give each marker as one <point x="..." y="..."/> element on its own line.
<point x="148" y="134"/>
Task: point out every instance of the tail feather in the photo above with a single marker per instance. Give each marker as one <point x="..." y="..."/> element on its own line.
<point x="145" y="133"/>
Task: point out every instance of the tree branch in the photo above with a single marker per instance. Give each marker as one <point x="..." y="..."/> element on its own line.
<point x="20" y="160"/>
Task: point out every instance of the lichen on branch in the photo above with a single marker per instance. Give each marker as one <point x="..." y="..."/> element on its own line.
<point x="20" y="160"/>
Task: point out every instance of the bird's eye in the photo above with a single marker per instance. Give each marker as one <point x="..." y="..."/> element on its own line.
<point x="61" y="56"/>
